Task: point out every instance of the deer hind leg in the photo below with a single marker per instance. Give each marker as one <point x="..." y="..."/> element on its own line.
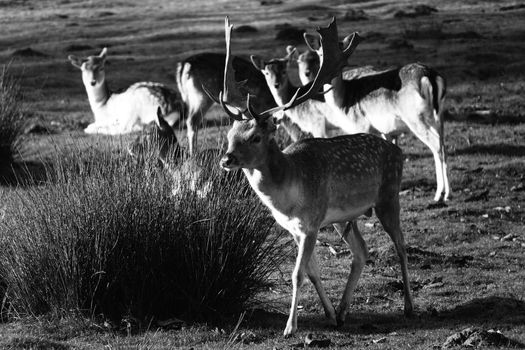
<point x="198" y="106"/>
<point x="428" y="133"/>
<point x="306" y="245"/>
<point x="351" y="235"/>
<point x="388" y="214"/>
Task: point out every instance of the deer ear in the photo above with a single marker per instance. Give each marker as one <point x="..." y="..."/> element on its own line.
<point x="75" y="61"/>
<point x="312" y="41"/>
<point x="103" y="53"/>
<point x="162" y="123"/>
<point x="257" y="62"/>
<point x="291" y="53"/>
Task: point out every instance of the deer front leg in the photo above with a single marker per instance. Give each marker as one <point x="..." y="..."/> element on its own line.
<point x="306" y="245"/>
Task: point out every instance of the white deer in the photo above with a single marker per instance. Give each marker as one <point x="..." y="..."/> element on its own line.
<point x="389" y="102"/>
<point x="199" y="78"/>
<point x="319" y="181"/>
<point x="127" y="111"/>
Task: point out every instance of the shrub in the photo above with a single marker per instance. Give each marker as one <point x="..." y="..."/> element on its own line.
<point x="104" y="234"/>
<point x="11" y="127"/>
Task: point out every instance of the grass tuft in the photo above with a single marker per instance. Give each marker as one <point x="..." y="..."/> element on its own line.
<point x="11" y="123"/>
<point x="105" y="235"/>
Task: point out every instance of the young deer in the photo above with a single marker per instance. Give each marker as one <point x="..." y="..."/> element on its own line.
<point x="390" y="102"/>
<point x="128" y="111"/>
<point x="317" y="182"/>
<point x="310" y="115"/>
<point x="308" y="65"/>
<point x="207" y="70"/>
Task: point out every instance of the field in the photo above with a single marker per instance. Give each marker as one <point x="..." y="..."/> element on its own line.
<point x="466" y="256"/>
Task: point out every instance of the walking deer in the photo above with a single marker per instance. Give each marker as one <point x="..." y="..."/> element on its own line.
<point x="320" y="181"/>
<point x="207" y="70"/>
<point x="127" y="111"/>
<point x="390" y="102"/>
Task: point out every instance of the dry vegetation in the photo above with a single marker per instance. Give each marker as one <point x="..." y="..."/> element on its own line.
<point x="466" y="258"/>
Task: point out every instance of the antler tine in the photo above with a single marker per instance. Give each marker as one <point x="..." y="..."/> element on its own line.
<point x="229" y="81"/>
<point x="227" y="109"/>
<point x="227" y="63"/>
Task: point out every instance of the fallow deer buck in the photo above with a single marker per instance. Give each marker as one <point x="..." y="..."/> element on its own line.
<point x="127" y="111"/>
<point x="200" y="78"/>
<point x="390" y="102"/>
<point x="319" y="181"/>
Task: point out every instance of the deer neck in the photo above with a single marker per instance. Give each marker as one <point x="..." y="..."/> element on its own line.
<point x="283" y="95"/>
<point x="98" y="95"/>
<point x="270" y="177"/>
<point x="336" y="94"/>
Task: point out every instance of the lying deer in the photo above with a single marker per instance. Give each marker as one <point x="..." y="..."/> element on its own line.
<point x="127" y="111"/>
<point x="202" y="74"/>
<point x="390" y="102"/>
<point x="320" y="181"/>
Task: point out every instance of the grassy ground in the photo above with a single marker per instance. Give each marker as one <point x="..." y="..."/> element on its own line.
<point x="465" y="259"/>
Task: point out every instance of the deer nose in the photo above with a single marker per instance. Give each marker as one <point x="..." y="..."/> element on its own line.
<point x="228" y="161"/>
<point x="93" y="82"/>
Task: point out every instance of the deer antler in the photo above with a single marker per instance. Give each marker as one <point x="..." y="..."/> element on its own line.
<point x="229" y="81"/>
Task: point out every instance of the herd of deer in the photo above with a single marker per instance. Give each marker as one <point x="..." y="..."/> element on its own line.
<point x="315" y="181"/>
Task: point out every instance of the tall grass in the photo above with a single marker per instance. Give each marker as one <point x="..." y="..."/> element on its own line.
<point x="11" y="127"/>
<point x="106" y="235"/>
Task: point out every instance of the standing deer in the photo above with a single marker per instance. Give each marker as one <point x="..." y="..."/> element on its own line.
<point x="127" y="111"/>
<point x="203" y="74"/>
<point x="310" y="115"/>
<point x="320" y="181"/>
<point x="390" y="102"/>
<point x="308" y="65"/>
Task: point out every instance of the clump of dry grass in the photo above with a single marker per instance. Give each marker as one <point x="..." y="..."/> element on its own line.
<point x="11" y="126"/>
<point x="104" y="234"/>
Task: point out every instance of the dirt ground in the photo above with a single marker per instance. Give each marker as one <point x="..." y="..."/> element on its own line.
<point x="466" y="257"/>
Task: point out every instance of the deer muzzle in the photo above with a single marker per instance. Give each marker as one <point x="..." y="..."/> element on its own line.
<point x="229" y="161"/>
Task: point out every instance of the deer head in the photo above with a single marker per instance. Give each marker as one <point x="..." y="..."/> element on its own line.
<point x="92" y="67"/>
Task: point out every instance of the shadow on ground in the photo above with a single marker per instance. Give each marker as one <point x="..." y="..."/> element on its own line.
<point x="23" y="174"/>
<point x="501" y="149"/>
<point x="496" y="311"/>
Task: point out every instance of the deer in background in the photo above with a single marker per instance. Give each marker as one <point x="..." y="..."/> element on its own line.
<point x="389" y="102"/>
<point x="310" y="115"/>
<point x="320" y="181"/>
<point x="198" y="172"/>
<point x="308" y="65"/>
<point x="200" y="78"/>
<point x="127" y="111"/>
